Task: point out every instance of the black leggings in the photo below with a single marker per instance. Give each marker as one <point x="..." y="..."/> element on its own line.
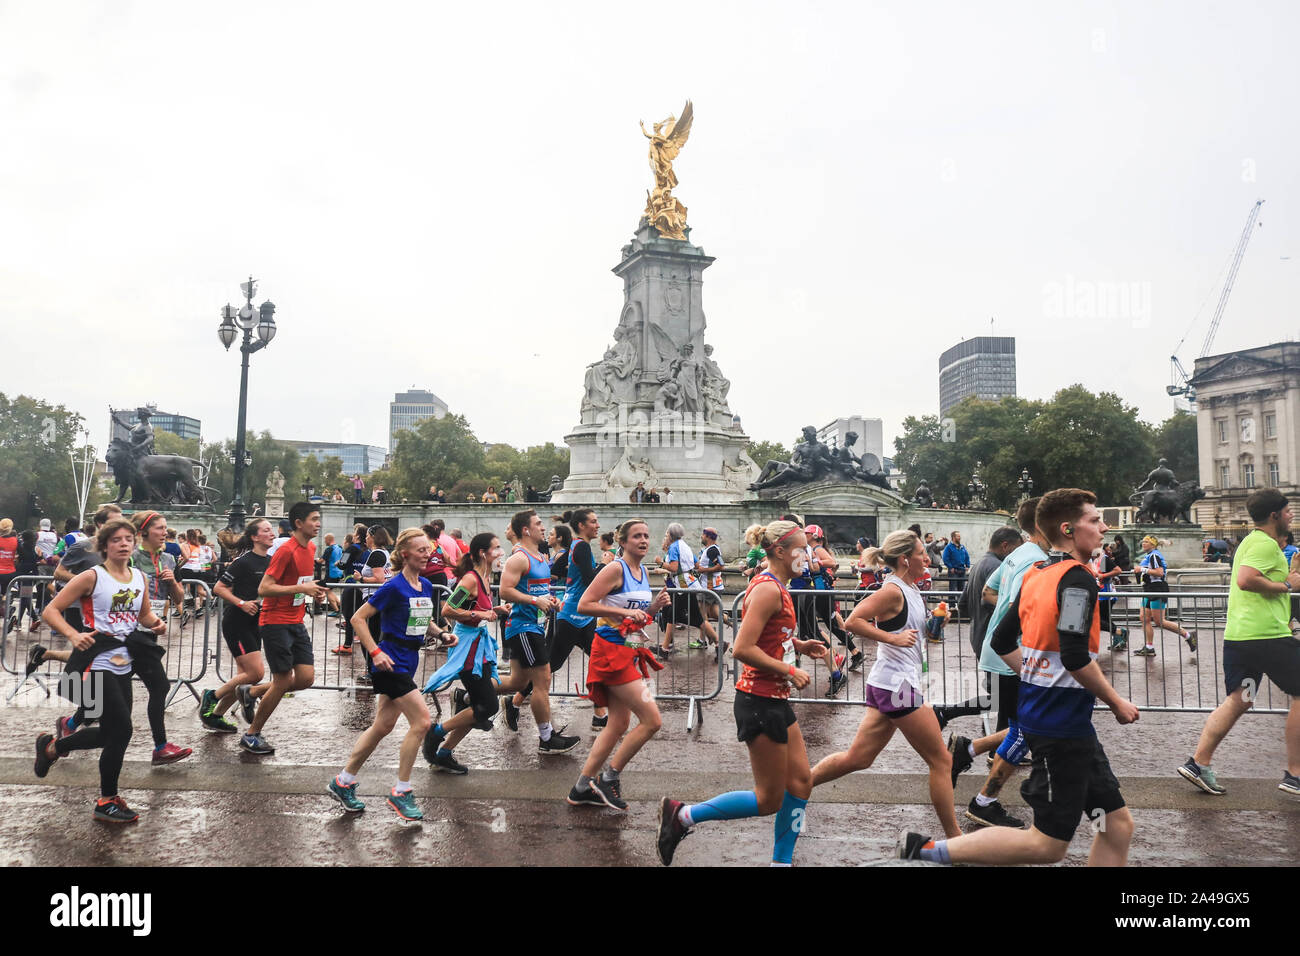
<point x="111" y="693"/>
<point x="568" y="636"/>
<point x="811" y="606"/>
<point x="350" y="604"/>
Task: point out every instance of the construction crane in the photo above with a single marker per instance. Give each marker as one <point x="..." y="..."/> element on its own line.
<point x="1181" y="381"/>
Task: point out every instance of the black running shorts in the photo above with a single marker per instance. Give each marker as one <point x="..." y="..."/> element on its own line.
<point x="391" y="683"/>
<point x="530" y="649"/>
<point x="1070" y="777"/>
<point x="287" y="646"/>
<point x="1278" y="657"/>
<point x="756" y="715"/>
<point x="241" y="632"/>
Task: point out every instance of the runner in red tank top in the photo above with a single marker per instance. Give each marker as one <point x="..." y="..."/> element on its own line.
<point x="766" y="645"/>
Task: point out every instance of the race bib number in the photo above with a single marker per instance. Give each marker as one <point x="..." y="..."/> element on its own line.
<point x="787" y="648"/>
<point x="158" y="607"/>
<point x="418" y="616"/>
<point x="300" y="597"/>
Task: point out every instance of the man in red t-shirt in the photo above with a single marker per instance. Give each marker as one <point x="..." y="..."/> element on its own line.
<point x="287" y="584"/>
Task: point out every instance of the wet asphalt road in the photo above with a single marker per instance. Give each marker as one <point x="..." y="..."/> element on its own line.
<point x="217" y="809"/>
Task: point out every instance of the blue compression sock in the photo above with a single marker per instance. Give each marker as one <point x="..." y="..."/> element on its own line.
<point x="735" y="805"/>
<point x="444" y="752"/>
<point x="790" y="821"/>
<point x="438" y="731"/>
<point x="937" y="852"/>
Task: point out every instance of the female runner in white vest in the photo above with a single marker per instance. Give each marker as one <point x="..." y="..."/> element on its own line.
<point x="894" y="685"/>
<point x="113" y="606"/>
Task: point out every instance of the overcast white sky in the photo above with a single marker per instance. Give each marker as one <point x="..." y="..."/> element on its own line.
<point x="434" y="195"/>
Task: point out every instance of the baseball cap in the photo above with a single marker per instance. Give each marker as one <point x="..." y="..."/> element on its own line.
<point x="45" y="524"/>
<point x="814" y="531"/>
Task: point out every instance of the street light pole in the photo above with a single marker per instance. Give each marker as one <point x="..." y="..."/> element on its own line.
<point x="226" y="332"/>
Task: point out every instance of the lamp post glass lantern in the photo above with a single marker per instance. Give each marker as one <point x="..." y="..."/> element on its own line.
<point x="1026" y="484"/>
<point x="234" y="322"/>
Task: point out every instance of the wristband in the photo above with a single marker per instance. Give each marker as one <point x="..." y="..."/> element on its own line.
<point x="241" y="602"/>
<point x="791" y="670"/>
<point x="375" y="652"/>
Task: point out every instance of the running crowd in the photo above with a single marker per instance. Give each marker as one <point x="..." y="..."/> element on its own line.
<point x="1038" y="604"/>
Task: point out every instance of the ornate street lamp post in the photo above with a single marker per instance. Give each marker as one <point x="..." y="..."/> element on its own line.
<point x="233" y="321"/>
<point x="1026" y="484"/>
<point x="975" y="488"/>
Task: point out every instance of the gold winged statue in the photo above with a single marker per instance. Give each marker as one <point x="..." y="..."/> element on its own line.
<point x="662" y="210"/>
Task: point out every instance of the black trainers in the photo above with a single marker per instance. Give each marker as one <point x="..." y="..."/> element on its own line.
<point x="855" y="662"/>
<point x="671" y="831"/>
<point x="1202" y="777"/>
<point x="557" y="743"/>
<point x="585" y="798"/>
<point x="432" y="741"/>
<point x="1191" y="641"/>
<point x="599" y="723"/>
<point x="35" y="658"/>
<point x="959" y="747"/>
<point x="994" y="815"/>
<point x="837" y="684"/>
<point x="459" y="700"/>
<point x="1290" y="784"/>
<point x="610" y="792"/>
<point x="909" y="845"/>
<point x="512" y="713"/>
<point x="43" y="759"/>
<point x="115" y="810"/>
<point x="448" y="762"/>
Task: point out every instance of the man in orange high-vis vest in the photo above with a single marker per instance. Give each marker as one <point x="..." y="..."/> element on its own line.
<point x="1058" y="622"/>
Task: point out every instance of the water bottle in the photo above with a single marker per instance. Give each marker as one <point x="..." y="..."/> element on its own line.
<point x="935" y="623"/>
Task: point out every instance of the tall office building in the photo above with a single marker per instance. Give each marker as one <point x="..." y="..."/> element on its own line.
<point x="409" y="408"/>
<point x="984" y="366"/>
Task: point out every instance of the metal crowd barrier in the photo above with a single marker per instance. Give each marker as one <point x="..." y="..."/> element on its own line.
<point x="1175" y="680"/>
<point x="186" y="640"/>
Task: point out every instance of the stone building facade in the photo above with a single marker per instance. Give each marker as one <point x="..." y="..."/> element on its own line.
<point x="1247" y="430"/>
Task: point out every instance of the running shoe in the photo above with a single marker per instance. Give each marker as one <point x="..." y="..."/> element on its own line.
<point x="1190" y="638"/>
<point x="610" y="793"/>
<point x="215" y="721"/>
<point x="432" y="741"/>
<point x="1290" y="784"/>
<point x="1147" y="651"/>
<point x="855" y="661"/>
<point x="512" y="713"/>
<point x="404" y="804"/>
<point x="459" y="700"/>
<point x="255" y="744"/>
<point x="671" y="832"/>
<point x="61" y="728"/>
<point x="449" y="763"/>
<point x="1118" y="643"/>
<point x="959" y="747"/>
<point x="668" y="651"/>
<point x="346" y="795"/>
<point x="599" y="723"/>
<point x="342" y="649"/>
<point x="909" y="845"/>
<point x="170" y="753"/>
<point x="557" y="743"/>
<point x="35" y="658"/>
<point x="585" y="798"/>
<point x="115" y="810"/>
<point x="994" y="815"/>
<point x="837" y="684"/>
<point x="186" y="616"/>
<point x="43" y="760"/>
<point x="695" y="645"/>
<point x="247" y="702"/>
<point x="1202" y="777"/>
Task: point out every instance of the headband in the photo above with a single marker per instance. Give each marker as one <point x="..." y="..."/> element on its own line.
<point x="145" y="517"/>
<point x="786" y="535"/>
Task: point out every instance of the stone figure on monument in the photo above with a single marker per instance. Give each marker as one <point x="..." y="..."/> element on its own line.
<point x="668" y="401"/>
<point x="1161" y="497"/>
<point x="685" y="372"/>
<point x="810" y="460"/>
<point x="923" y="496"/>
<point x="275" y="484"/>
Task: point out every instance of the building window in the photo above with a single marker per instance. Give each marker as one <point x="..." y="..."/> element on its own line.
<point x="1248" y="474"/>
<point x="1274" y="476"/>
<point x="1270" y="426"/>
<point x="1222" y="424"/>
<point x="1224" y="479"/>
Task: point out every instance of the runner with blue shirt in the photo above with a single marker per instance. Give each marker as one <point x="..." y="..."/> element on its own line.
<point x="1154" y="569"/>
<point x="571" y="628"/>
<point x="404" y="605"/>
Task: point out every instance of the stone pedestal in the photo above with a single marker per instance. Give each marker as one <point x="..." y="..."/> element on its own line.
<point x="1179" y="543"/>
<point x="654" y="408"/>
<point x="274" y="507"/>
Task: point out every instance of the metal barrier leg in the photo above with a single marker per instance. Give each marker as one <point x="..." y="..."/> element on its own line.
<point x="694" y="709"/>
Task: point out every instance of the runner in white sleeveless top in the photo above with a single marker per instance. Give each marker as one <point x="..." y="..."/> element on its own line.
<point x="113" y="605"/>
<point x="894" y="617"/>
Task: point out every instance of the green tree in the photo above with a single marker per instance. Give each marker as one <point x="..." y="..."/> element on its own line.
<point x="325" y="476"/>
<point x="764" y="451"/>
<point x="501" y="464"/>
<point x="267" y="453"/>
<point x="539" y="463"/>
<point x="167" y="443"/>
<point x="1092" y="441"/>
<point x="1175" y="439"/>
<point x="438" y="451"/>
<point x="36" y="440"/>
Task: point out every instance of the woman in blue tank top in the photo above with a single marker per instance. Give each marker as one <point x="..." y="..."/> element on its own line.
<point x="571" y="628"/>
